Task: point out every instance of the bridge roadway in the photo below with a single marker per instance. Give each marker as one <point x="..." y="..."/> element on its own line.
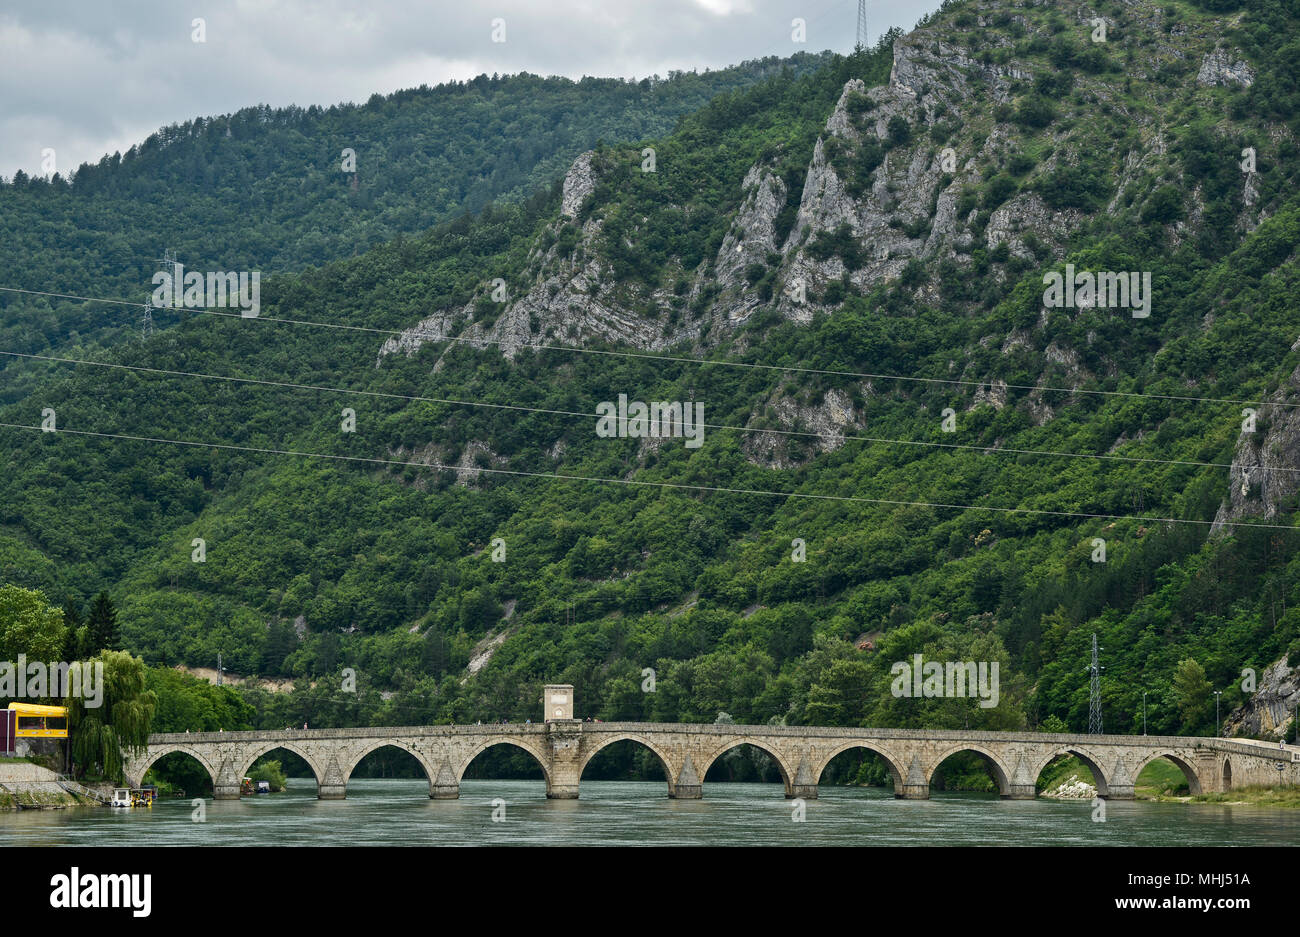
<point x="564" y="747"/>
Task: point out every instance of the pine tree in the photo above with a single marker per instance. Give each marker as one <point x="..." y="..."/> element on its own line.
<point x="1191" y="692"/>
<point x="103" y="624"/>
<point x="280" y="642"/>
<point x="72" y="621"/>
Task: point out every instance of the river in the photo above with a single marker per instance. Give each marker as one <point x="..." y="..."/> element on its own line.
<point x="388" y="812"/>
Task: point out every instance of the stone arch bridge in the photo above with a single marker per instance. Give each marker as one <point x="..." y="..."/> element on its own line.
<point x="564" y="747"/>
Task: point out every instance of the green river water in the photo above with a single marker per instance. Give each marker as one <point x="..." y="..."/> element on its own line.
<point x="392" y="812"/>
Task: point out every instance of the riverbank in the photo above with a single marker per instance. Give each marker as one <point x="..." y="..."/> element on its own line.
<point x="1257" y="796"/>
<point x="26" y="786"/>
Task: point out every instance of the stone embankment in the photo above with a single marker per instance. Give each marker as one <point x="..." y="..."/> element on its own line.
<point x="25" y="786"/>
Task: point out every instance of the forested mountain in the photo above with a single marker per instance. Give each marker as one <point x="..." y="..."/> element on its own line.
<point x="281" y="189"/>
<point x="909" y="447"/>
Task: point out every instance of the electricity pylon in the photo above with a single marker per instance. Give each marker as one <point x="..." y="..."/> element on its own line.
<point x="1094" y="692"/>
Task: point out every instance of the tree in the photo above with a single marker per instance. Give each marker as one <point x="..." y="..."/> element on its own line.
<point x="186" y="703"/>
<point x="280" y="642"/>
<point x="29" y="625"/>
<point x="838" y="697"/>
<point x="900" y="132"/>
<point x="100" y="737"/>
<point x="479" y="610"/>
<point x="103" y="624"/>
<point x="74" y="636"/>
<point x="271" y="772"/>
<point x="1191" y="691"/>
<point x="435" y="655"/>
<point x="1166" y="205"/>
<point x="1035" y="111"/>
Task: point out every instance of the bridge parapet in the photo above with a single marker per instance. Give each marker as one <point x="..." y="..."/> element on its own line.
<point x="373" y="732"/>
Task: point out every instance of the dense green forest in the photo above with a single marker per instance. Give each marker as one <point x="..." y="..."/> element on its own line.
<point x="273" y="190"/>
<point x="409" y="547"/>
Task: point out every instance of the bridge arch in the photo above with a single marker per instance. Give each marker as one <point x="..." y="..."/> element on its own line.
<point x="375" y="745"/>
<point x="258" y="749"/>
<point x="1227" y="774"/>
<point x="138" y="769"/>
<point x="1193" y="779"/>
<point x="787" y="773"/>
<point x="670" y="772"/>
<point x="540" y="756"/>
<point x="1000" y="772"/>
<point x="891" y="761"/>
<point x="1100" y="780"/>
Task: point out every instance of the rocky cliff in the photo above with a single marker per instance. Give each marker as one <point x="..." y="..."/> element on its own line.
<point x="942" y="168"/>
<point x="1270" y="711"/>
<point x="1265" y="471"/>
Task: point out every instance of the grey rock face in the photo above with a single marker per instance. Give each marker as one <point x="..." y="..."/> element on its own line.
<point x="435" y="328"/>
<point x="467" y="467"/>
<point x="909" y="210"/>
<point x="994" y="395"/>
<point x="564" y="307"/>
<point x="1270" y="711"/>
<point x="751" y="238"/>
<point x="1218" y="68"/>
<point x="568" y="301"/>
<point x="1024" y="213"/>
<point x="824" y="423"/>
<point x="1266" y="466"/>
<point x="579" y="182"/>
<point x="906" y="209"/>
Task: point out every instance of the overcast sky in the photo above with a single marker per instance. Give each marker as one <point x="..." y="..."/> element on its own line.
<point x="85" y="77"/>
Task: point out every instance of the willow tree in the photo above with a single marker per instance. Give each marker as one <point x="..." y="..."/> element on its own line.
<point x="102" y="736"/>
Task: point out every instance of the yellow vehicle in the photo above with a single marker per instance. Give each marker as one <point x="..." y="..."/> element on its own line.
<point x="40" y="722"/>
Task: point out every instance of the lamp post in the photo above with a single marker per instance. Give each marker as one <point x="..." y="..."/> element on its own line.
<point x="1144" y="712"/>
<point x="1217" y="728"/>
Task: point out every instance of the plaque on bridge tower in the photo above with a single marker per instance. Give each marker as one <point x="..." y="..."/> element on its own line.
<point x="557" y="702"/>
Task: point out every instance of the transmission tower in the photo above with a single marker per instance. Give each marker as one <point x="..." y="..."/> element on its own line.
<point x="169" y="264"/>
<point x="1094" y="692"/>
<point x="862" y="24"/>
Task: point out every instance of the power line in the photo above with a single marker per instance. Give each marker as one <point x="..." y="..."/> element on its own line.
<point x="416" y="398"/>
<point x="680" y="359"/>
<point x="631" y="482"/>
